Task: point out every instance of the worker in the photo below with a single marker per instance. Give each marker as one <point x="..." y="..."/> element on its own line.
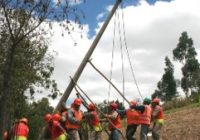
<point x="74" y="119"/>
<point x="48" y="118"/>
<point x="21" y="130"/>
<point x="132" y="120"/>
<point x="57" y="131"/>
<point x="157" y="118"/>
<point x="115" y="122"/>
<point x="93" y="120"/>
<point x="144" y="117"/>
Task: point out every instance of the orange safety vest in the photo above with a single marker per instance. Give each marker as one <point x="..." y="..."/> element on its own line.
<point x="145" y="117"/>
<point x="78" y="115"/>
<point x="161" y="113"/>
<point x="132" y="116"/>
<point x="21" y="130"/>
<point x="95" y="120"/>
<point x="116" y="122"/>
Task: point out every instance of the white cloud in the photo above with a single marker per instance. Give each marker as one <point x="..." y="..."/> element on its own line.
<point x="101" y="15"/>
<point x="152" y="32"/>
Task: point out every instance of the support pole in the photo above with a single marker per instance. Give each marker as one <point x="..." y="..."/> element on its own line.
<point x="86" y="104"/>
<point x="98" y="109"/>
<point x="109" y="82"/>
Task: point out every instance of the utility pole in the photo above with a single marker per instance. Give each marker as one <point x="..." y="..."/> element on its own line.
<point x="84" y="62"/>
<point x="87" y="57"/>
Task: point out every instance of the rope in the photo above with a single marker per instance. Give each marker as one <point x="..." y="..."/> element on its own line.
<point x="122" y="56"/>
<point x="112" y="58"/>
<point x="128" y="55"/>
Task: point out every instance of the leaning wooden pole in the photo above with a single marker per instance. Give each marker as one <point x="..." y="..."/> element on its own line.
<point x="87" y="57"/>
<point x="84" y="61"/>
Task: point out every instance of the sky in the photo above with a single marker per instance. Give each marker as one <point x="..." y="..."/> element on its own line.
<point x="152" y="29"/>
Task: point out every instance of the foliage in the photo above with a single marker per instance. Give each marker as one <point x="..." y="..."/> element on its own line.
<point x="24" y="59"/>
<point x="186" y="54"/>
<point x="167" y="88"/>
<point x="36" y="112"/>
<point x="176" y="103"/>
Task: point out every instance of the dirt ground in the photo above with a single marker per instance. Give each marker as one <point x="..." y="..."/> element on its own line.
<point x="180" y="125"/>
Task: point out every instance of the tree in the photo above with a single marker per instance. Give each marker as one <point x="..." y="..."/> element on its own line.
<point x="24" y="58"/>
<point x="36" y="113"/>
<point x="167" y="88"/>
<point x="186" y="54"/>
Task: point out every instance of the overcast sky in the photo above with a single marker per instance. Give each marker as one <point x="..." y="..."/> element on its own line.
<point x="152" y="32"/>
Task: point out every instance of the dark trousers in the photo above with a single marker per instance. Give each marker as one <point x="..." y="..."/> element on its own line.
<point x="130" y="131"/>
<point x="144" y="131"/>
<point x="114" y="135"/>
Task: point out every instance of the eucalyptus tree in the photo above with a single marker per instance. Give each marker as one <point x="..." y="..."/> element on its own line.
<point x="167" y="88"/>
<point x="186" y="54"/>
<point x="25" y="62"/>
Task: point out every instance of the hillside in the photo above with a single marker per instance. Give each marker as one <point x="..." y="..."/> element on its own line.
<point x="180" y="124"/>
<point x="183" y="124"/>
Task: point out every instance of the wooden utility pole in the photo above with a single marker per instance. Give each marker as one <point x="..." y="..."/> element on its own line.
<point x="84" y="62"/>
<point x="87" y="57"/>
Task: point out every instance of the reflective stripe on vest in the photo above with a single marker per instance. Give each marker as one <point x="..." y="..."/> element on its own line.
<point x="116" y="122"/>
<point x="19" y="138"/>
<point x="145" y="117"/>
<point x="78" y="115"/>
<point x="132" y="116"/>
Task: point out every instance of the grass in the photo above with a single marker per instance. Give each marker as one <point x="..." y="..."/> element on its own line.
<point x="193" y="105"/>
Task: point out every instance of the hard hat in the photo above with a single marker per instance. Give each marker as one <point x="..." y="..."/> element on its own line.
<point x="147" y="100"/>
<point x="24" y="120"/>
<point x="91" y="107"/>
<point x="48" y="117"/>
<point x="133" y="103"/>
<point x="114" y="106"/>
<point x="156" y="100"/>
<point x="56" y="117"/>
<point x="77" y="101"/>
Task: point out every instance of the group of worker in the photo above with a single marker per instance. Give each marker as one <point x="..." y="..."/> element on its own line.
<point x="66" y="125"/>
<point x="143" y="115"/>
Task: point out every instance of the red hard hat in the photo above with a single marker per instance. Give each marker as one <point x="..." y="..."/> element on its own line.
<point x="156" y="100"/>
<point x="24" y="120"/>
<point x="133" y="103"/>
<point x="48" y="117"/>
<point x="113" y="106"/>
<point x="91" y="107"/>
<point x="77" y="101"/>
<point x="56" y="117"/>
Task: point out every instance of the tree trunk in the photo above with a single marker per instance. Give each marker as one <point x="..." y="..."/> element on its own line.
<point x="5" y="92"/>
